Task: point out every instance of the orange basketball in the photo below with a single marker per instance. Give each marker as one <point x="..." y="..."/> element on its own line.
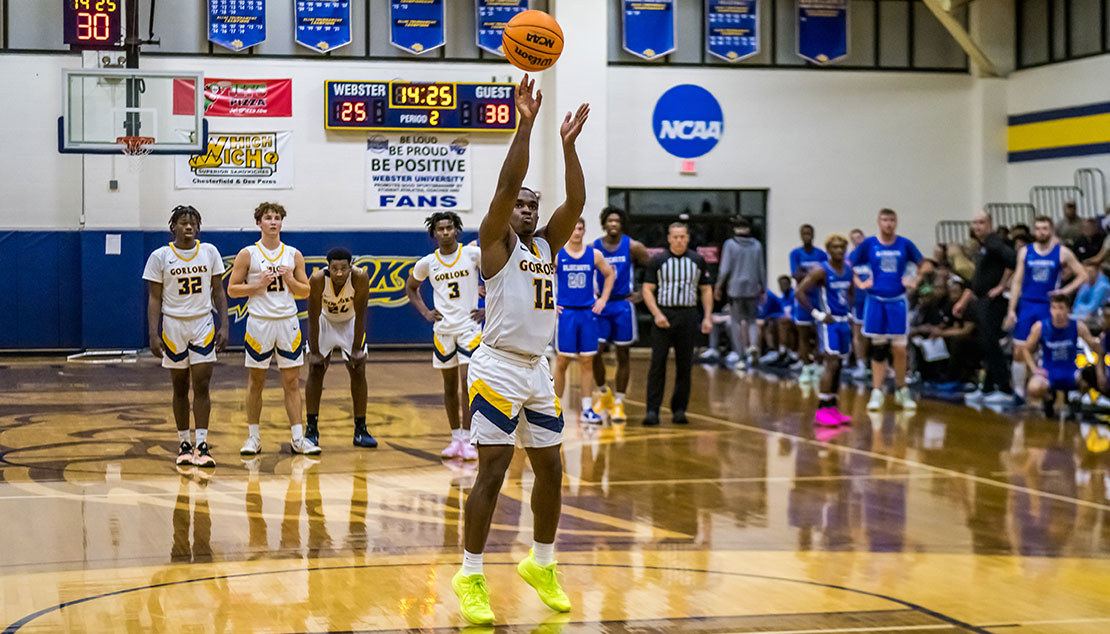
<point x="532" y="41"/>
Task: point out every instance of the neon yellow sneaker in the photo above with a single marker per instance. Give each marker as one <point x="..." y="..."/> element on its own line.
<point x="607" y="400"/>
<point x="473" y="594"/>
<point x="617" y="413"/>
<point x="543" y="579"/>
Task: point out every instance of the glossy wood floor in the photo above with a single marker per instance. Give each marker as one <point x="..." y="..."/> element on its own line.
<point x="946" y="520"/>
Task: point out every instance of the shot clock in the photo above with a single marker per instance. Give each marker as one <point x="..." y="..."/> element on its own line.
<point x="403" y="106"/>
<point x="96" y="24"/>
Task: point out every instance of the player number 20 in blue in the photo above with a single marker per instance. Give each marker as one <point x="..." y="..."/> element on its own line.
<point x="545" y="299"/>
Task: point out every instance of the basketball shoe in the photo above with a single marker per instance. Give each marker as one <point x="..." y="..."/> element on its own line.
<point x="201" y="456"/>
<point x="185" y="453"/>
<point x="473" y="594"/>
<point x="543" y="579"/>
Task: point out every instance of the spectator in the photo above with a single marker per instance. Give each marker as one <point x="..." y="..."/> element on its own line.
<point x="935" y="320"/>
<point x="742" y="277"/>
<point x="1089" y="244"/>
<point x="776" y="325"/>
<point x="1091" y="297"/>
<point x="1021" y="229"/>
<point x="1004" y="232"/>
<point x="987" y="305"/>
<point x="1070" y="228"/>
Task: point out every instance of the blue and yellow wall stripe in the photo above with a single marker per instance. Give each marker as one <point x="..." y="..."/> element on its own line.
<point x="1058" y="133"/>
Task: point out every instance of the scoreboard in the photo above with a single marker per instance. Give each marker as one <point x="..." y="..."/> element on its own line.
<point x="92" y="23"/>
<point x="404" y="106"/>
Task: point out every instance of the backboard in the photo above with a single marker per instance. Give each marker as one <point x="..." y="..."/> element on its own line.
<point x="101" y="105"/>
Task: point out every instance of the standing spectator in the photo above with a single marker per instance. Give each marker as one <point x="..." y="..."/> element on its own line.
<point x="1091" y="297"/>
<point x="742" y="278"/>
<point x="673" y="282"/>
<point x="1070" y="227"/>
<point x="993" y="269"/>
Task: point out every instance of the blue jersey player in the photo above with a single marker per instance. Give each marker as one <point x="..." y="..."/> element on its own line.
<point x="617" y="323"/>
<point x="803" y="260"/>
<point x="863" y="273"/>
<point x="576" y="333"/>
<point x="1058" y="336"/>
<point x="1035" y="281"/>
<point x="833" y="283"/>
<point x="886" y="312"/>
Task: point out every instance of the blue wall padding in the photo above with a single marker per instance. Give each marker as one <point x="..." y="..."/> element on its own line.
<point x="41" y="287"/>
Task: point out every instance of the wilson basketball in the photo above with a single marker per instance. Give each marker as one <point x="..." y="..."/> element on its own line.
<point x="532" y="41"/>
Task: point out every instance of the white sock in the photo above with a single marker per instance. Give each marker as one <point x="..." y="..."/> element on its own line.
<point x="298" y="431"/>
<point x="183" y="435"/>
<point x="202" y="436"/>
<point x="619" y="397"/>
<point x="253" y="431"/>
<point x="544" y="553"/>
<point x="587" y="403"/>
<point x="1017" y="372"/>
<point x="457" y="434"/>
<point x="472" y="564"/>
<point x="861" y="365"/>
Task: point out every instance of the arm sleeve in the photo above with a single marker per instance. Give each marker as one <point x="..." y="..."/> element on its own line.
<point x="651" y="273"/>
<point x="420" y="270"/>
<point x="153" y="270"/>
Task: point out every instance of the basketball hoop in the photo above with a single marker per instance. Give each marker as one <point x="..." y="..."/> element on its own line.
<point x="136" y="148"/>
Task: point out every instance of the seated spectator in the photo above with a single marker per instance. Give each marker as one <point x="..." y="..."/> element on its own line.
<point x="1090" y="243"/>
<point x="934" y="320"/>
<point x="1021" y="229"/>
<point x="775" y="324"/>
<point x="1091" y="297"/>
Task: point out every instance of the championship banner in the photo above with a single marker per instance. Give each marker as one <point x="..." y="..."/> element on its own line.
<point x="236" y="24"/>
<point x="823" y="30"/>
<point x="493" y="15"/>
<point x="239" y="160"/>
<point x="236" y="97"/>
<point x="322" y="25"/>
<point x="649" y="28"/>
<point x="732" y="29"/>
<point x="417" y="174"/>
<point x="417" y="25"/>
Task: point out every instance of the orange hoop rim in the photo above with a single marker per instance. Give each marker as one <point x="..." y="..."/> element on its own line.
<point x="136" y="145"/>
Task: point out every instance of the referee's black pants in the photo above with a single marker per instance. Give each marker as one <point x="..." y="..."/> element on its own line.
<point x="989" y="313"/>
<point x="680" y="336"/>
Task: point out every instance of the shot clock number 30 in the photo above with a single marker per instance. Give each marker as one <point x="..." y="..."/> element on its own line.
<point x="92" y="23"/>
<point x="443" y="106"/>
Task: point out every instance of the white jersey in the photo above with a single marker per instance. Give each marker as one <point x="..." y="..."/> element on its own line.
<point x="454" y="280"/>
<point x="520" y="301"/>
<point x="337" y="308"/>
<point x="276" y="301"/>
<point x="186" y="278"/>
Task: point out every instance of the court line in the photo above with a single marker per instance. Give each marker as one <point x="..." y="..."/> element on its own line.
<point x="903" y="461"/>
<point x="1048" y="622"/>
<point x="950" y="621"/>
<point x="845" y="630"/>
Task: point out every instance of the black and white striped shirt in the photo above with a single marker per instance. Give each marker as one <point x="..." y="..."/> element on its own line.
<point x="677" y="278"/>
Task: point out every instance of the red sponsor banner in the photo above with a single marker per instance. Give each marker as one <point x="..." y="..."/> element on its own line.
<point x="236" y="97"/>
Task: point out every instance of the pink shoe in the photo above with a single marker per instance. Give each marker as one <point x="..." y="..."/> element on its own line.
<point x="454" y="450"/>
<point x="469" y="451"/>
<point x="825" y="434"/>
<point x="826" y="416"/>
<point x="844" y="418"/>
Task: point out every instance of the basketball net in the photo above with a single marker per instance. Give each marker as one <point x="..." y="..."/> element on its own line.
<point x="136" y="149"/>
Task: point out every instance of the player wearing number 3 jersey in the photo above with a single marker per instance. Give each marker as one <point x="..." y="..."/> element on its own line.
<point x="452" y="271"/>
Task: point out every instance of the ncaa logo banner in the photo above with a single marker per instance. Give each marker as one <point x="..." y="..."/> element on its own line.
<point x="688" y="121"/>
<point x="417" y="26"/>
<point x="417" y="173"/>
<point x="649" y="28"/>
<point x="322" y="25"/>
<point x="239" y="160"/>
<point x="236" y="24"/>
<point x="493" y="16"/>
<point x="823" y="30"/>
<point x="732" y="29"/>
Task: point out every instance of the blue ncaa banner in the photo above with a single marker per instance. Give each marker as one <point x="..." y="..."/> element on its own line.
<point x="732" y="28"/>
<point x="236" y="24"/>
<point x="492" y="17"/>
<point x="417" y="25"/>
<point x="649" y="28"/>
<point x="323" y="25"/>
<point x="823" y="30"/>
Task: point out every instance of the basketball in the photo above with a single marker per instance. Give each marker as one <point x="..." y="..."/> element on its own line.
<point x="532" y="41"/>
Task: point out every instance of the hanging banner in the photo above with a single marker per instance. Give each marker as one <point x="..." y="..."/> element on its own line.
<point x="322" y="25"/>
<point x="239" y="160"/>
<point x="649" y="28"/>
<point x="823" y="30"/>
<point x="236" y="97"/>
<point x="492" y="17"/>
<point x="417" y="25"/>
<point x="732" y="28"/>
<point x="236" y="24"/>
<point x="419" y="173"/>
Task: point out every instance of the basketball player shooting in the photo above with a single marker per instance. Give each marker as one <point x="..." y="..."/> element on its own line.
<point x="511" y="389"/>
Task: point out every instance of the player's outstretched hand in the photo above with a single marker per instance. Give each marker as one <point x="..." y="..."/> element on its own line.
<point x="156" y="346"/>
<point x="572" y="124"/>
<point x="221" y="340"/>
<point x="527" y="104"/>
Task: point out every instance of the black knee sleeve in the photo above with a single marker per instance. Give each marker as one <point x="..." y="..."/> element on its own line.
<point x="879" y="352"/>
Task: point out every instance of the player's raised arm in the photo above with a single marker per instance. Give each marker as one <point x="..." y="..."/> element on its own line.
<point x="563" y="221"/>
<point x="493" y="234"/>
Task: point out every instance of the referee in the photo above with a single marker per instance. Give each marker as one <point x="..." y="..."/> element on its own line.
<point x="673" y="284"/>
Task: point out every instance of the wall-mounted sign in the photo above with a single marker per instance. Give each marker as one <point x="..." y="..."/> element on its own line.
<point x="688" y="121"/>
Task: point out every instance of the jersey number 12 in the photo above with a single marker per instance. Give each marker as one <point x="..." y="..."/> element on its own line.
<point x="544" y="294"/>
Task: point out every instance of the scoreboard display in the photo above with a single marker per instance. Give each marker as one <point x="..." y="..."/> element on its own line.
<point x="405" y="106"/>
<point x="92" y="23"/>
